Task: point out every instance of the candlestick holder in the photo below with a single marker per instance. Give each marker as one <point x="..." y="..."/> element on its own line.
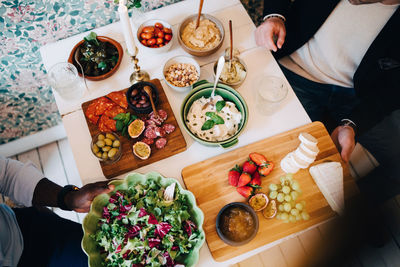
<point x="138" y="75"/>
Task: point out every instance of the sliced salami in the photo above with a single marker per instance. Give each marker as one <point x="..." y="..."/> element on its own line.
<point x="103" y="104"/>
<point x="150" y="122"/>
<point x="148" y="141"/>
<point x="169" y="128"/>
<point x="161" y="142"/>
<point x="103" y="127"/>
<point x="90" y="113"/>
<point x="160" y="132"/>
<point x="119" y="98"/>
<point x="150" y="132"/>
<point x="162" y="116"/>
<point x="114" y="111"/>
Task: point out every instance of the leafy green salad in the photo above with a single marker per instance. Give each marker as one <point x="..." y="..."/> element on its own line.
<point x="141" y="227"/>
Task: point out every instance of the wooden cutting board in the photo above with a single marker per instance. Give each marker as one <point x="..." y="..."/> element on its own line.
<point x="175" y="141"/>
<point x="208" y="181"/>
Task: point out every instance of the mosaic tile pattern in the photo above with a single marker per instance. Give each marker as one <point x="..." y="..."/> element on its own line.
<point x="26" y="101"/>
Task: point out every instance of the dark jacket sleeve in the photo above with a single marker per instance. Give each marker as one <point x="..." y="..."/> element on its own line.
<point x="280" y="7"/>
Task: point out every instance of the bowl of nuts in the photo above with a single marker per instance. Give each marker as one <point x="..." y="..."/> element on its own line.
<point x="138" y="100"/>
<point x="155" y="36"/>
<point x="106" y="147"/>
<point x="181" y="72"/>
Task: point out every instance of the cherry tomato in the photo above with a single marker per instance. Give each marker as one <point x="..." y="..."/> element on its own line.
<point x="146" y="35"/>
<point x="160" y="34"/>
<point x="144" y="42"/>
<point x="158" y="25"/>
<point x="151" y="42"/>
<point x="168" y="37"/>
<point x="160" y="40"/>
<point x="160" y="45"/>
<point x="148" y="29"/>
<point x="167" y="30"/>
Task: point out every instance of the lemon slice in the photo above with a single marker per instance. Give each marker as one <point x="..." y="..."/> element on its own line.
<point x="300" y="153"/>
<point x="310" y="149"/>
<point x="136" y="128"/>
<point x="287" y="166"/>
<point x="308" y="139"/>
<point x="298" y="162"/>
<point x="141" y="150"/>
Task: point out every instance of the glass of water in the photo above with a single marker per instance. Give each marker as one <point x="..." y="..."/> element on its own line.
<point x="64" y="79"/>
<point x="271" y="91"/>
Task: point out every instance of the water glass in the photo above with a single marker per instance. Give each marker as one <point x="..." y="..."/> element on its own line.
<point x="64" y="79"/>
<point x="271" y="91"/>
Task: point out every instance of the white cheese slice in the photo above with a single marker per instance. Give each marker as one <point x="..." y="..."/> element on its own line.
<point x="298" y="162"/>
<point x="329" y="178"/>
<point x="302" y="154"/>
<point x="310" y="149"/>
<point x="308" y="139"/>
<point x="287" y="166"/>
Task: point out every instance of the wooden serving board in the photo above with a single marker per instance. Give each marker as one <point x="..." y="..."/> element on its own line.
<point x="208" y="181"/>
<point x="175" y="141"/>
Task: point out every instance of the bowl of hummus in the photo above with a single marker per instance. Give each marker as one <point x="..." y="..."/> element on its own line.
<point x="217" y="124"/>
<point x="203" y="41"/>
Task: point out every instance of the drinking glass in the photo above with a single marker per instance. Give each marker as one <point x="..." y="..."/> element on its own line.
<point x="271" y="91"/>
<point x="64" y="79"/>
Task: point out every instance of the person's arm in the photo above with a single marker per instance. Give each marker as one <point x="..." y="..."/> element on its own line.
<point x="280" y="7"/>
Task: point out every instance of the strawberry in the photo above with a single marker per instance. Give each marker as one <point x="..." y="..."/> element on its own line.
<point x="265" y="169"/>
<point x="245" y="191"/>
<point x="249" y="167"/>
<point x="233" y="175"/>
<point x="258" y="159"/>
<point x="256" y="179"/>
<point x="244" y="179"/>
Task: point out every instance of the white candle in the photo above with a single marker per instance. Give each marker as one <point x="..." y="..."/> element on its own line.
<point x="126" y="27"/>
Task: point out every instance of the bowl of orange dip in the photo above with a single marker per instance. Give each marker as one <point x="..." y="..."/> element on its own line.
<point x="237" y="224"/>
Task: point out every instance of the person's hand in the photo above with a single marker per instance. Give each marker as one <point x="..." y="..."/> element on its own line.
<point x="344" y="139"/>
<point x="80" y="200"/>
<point x="265" y="33"/>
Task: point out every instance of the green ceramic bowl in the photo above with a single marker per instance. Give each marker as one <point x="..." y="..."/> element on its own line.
<point x="90" y="223"/>
<point x="204" y="88"/>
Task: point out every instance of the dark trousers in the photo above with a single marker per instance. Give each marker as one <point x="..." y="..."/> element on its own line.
<point x="49" y="240"/>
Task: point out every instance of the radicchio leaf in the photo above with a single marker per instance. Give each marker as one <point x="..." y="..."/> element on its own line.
<point x="170" y="261"/>
<point x="189" y="226"/>
<point x="154" y="242"/>
<point x="162" y="229"/>
<point x="142" y="212"/>
<point x="152" y="219"/>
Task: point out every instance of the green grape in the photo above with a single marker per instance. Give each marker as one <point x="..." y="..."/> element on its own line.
<point x="284" y="216"/>
<point x="286" y="221"/>
<point x="299" y="206"/>
<point x="289" y="176"/>
<point x="305" y="215"/>
<point x="273" y="194"/>
<point x="294" y="195"/>
<point x="294" y="212"/>
<point x="282" y="179"/>
<point x="286" y="189"/>
<point x="280" y="207"/>
<point x="287" y="207"/>
<point x="288" y="198"/>
<point x="273" y="187"/>
<point x="292" y="218"/>
<point x="278" y="215"/>
<point x="295" y="186"/>
<point x="280" y="197"/>
<point x="298" y="217"/>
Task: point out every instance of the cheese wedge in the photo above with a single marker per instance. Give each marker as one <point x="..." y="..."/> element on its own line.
<point x="329" y="178"/>
<point x="308" y="139"/>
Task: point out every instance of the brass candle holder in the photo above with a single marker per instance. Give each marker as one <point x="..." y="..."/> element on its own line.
<point x="138" y="75"/>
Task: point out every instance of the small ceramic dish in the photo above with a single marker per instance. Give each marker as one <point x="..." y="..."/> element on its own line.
<point x="196" y="52"/>
<point x="232" y="215"/>
<point x="108" y="145"/>
<point x="137" y="98"/>
<point x="180" y="60"/>
<point x="238" y="83"/>
<point x="166" y="31"/>
<point x="112" y="42"/>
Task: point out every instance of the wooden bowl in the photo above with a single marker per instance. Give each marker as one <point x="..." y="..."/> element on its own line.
<point x="201" y="53"/>
<point x="71" y="58"/>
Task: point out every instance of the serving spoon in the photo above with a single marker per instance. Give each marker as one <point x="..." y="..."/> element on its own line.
<point x="149" y="92"/>
<point x="76" y="57"/>
<point x="199" y="14"/>
<point x="220" y="66"/>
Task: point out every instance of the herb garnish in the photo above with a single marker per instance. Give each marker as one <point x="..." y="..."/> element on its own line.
<point x="123" y="121"/>
<point x="214" y="119"/>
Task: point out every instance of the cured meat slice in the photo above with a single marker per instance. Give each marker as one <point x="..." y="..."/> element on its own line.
<point x="160" y="131"/>
<point x="162" y="116"/>
<point x="150" y="122"/>
<point x="114" y="111"/>
<point x="119" y="98"/>
<point x="111" y="124"/>
<point x="169" y="128"/>
<point x="148" y="141"/>
<point x="90" y="113"/>
<point x="102" y="124"/>
<point x="161" y="142"/>
<point x="103" y="104"/>
<point x="150" y="132"/>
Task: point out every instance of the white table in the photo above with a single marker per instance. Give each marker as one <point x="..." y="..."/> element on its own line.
<point x="259" y="62"/>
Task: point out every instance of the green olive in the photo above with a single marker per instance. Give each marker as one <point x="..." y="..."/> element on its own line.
<point x="110" y="136"/>
<point x="105" y="155"/>
<point x="100" y="143"/>
<point x="95" y="148"/>
<point x="112" y="152"/>
<point x="108" y="142"/>
<point x="99" y="154"/>
<point x="106" y="148"/>
<point x="116" y="143"/>
<point x="100" y="137"/>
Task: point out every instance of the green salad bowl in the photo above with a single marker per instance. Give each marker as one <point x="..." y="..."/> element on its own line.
<point x="90" y="222"/>
<point x="204" y="88"/>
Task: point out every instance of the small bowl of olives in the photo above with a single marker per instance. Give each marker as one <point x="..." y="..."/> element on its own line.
<point x="106" y="147"/>
<point x="138" y="100"/>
